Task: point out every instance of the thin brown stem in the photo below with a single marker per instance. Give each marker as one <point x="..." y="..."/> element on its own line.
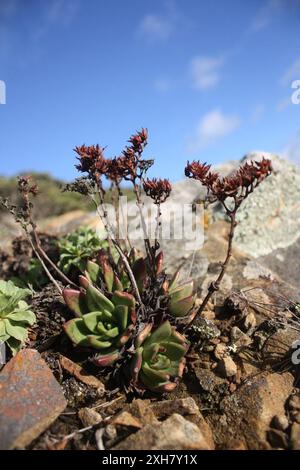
<point x="51" y="278"/>
<point x="215" y="285"/>
<point x="44" y="255"/>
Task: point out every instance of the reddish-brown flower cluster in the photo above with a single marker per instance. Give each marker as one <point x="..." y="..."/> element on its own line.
<point x="91" y="160"/>
<point x="25" y="186"/>
<point x="158" y="189"/>
<point x="240" y="184"/>
<point x="139" y="140"/>
<point x="123" y="167"/>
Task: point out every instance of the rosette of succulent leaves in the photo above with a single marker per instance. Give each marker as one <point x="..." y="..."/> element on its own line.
<point x="15" y="315"/>
<point x="128" y="313"/>
<point x="77" y="248"/>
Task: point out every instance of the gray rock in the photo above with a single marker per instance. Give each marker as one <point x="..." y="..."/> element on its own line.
<point x="272" y="213"/>
<point x="176" y="433"/>
<point x="254" y="270"/>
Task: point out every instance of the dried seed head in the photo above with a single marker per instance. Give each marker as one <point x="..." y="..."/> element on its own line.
<point x="239" y="184"/>
<point x="139" y="140"/>
<point x="158" y="189"/>
<point x="91" y="160"/>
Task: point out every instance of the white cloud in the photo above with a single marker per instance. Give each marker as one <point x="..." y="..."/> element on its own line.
<point x="266" y="15"/>
<point x="205" y="71"/>
<point x="291" y="74"/>
<point x="212" y="127"/>
<point x="156" y="27"/>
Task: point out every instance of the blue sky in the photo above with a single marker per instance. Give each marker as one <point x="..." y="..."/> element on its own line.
<point x="210" y="80"/>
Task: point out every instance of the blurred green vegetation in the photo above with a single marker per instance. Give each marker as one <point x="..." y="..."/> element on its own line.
<point x="51" y="201"/>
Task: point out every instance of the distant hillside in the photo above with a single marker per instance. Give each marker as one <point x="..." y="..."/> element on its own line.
<point x="51" y="201"/>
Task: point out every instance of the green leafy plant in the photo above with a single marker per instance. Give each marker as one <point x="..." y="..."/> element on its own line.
<point x="159" y="359"/>
<point x="15" y="315"/>
<point x="77" y="247"/>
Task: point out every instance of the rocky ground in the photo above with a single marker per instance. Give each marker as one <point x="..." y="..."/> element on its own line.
<point x="240" y="389"/>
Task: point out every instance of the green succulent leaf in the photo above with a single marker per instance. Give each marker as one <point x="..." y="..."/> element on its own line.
<point x="110" y="357"/>
<point x="159" y="360"/>
<point x="181" y="308"/>
<point x="174" y="351"/>
<point x="155" y="375"/>
<point x="117" y="285"/>
<point x="91" y="320"/>
<point x="76" y="301"/>
<point x="182" y="291"/>
<point x="123" y="298"/>
<point x="97" y="301"/>
<point x="96" y="343"/>
<point x="174" y="281"/>
<point x="77" y="331"/>
<point x="108" y="332"/>
<point x="93" y="270"/>
<point x="162" y="333"/>
<point x="121" y="314"/>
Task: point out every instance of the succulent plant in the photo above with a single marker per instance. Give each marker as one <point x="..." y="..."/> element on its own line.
<point x="15" y="316"/>
<point x="78" y="247"/>
<point x="105" y="310"/>
<point x="159" y="359"/>
<point x="180" y="295"/>
<point x="103" y="324"/>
